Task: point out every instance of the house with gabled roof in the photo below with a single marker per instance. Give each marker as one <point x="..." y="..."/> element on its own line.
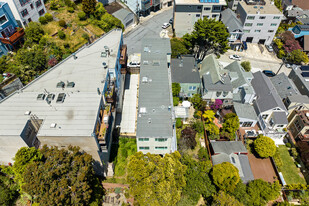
<point x="271" y="112"/>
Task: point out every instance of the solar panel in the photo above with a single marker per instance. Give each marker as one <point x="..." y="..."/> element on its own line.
<point x="60" y="98"/>
<point x="305" y="74"/>
<point x="304" y="68"/>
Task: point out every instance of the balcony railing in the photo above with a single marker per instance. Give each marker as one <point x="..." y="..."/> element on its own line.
<point x="14" y="38"/>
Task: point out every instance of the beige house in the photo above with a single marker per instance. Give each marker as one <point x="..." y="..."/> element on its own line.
<point x="299" y="124"/>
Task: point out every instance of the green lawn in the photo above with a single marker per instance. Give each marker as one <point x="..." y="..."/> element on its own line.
<point x="289" y="170"/>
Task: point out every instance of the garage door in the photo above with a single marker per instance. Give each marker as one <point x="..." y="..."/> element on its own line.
<point x="129" y="23"/>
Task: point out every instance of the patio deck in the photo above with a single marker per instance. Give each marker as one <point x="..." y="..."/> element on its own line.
<point x="103" y="128"/>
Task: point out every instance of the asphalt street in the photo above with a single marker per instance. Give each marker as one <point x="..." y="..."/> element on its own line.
<point x="148" y="29"/>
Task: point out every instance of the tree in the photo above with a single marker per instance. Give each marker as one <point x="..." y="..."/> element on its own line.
<point x="208" y="36"/>
<point x="178" y="123"/>
<point x="278" y="4"/>
<point x="225" y="176"/>
<point x="61" y="34"/>
<point x="82" y="15"/>
<point x="224" y="199"/>
<point x="203" y="154"/>
<point x="209" y="116"/>
<point x="42" y="20"/>
<point x="231" y="124"/>
<point x="213" y="130"/>
<point x="62" y="23"/>
<point x="265" y="146"/>
<point x="63" y="177"/>
<point x="187" y="139"/>
<point x="23" y="157"/>
<point x="261" y="192"/>
<point x="196" y="100"/>
<point x="89" y="6"/>
<point x="178" y="47"/>
<point x="197" y="178"/>
<point x="156" y="180"/>
<point x="8" y="188"/>
<point x="246" y="65"/>
<point x="197" y="125"/>
<point x="298" y="56"/>
<point x="175" y="101"/>
<point x="49" y="17"/>
<point x="34" y="32"/>
<point x="176" y="89"/>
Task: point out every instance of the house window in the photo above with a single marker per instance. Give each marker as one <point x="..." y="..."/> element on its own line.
<point x="262" y="17"/>
<point x="38" y="3"/>
<point x="264" y="116"/>
<point x="280" y="125"/>
<point x="206" y="8"/>
<point x="214" y="16"/>
<point x="225" y="94"/>
<point x="258" y="30"/>
<point x="23" y="2"/>
<point x="270" y="31"/>
<point x="31" y="6"/>
<point x="197" y="15"/>
<point x="24" y="12"/>
<point x="246" y="31"/>
<point x="216" y="8"/>
<point x="205" y="16"/>
<point x="259" y="24"/>
<point x="250" y="17"/>
<point x="143" y="139"/>
<point x="199" y="7"/>
<point x="273" y="24"/>
<point x="276" y="17"/>
<point x="271" y="122"/>
<point x="41" y="12"/>
<point x="3" y="19"/>
<point x="233" y="160"/>
<point x="144" y="148"/>
<point x="160" y="139"/>
<point x="247" y="124"/>
<point x="160" y="148"/>
<point x="248" y="24"/>
<point x="218" y="94"/>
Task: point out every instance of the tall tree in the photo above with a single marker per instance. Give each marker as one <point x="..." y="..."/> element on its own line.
<point x="89" y="6"/>
<point x="33" y="33"/>
<point x="231" y="124"/>
<point x="225" y="176"/>
<point x="176" y="89"/>
<point x="223" y="199"/>
<point x="63" y="177"/>
<point x="156" y="180"/>
<point x="298" y="56"/>
<point x="209" y="116"/>
<point x="178" y="47"/>
<point x="208" y="36"/>
<point x="265" y="146"/>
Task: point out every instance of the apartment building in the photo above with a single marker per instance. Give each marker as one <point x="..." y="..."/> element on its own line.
<point x="187" y="12"/>
<point x="26" y="11"/>
<point x="70" y="104"/>
<point x="260" y="20"/>
<point x="10" y="34"/>
<point x="299" y="124"/>
<point x="156" y="131"/>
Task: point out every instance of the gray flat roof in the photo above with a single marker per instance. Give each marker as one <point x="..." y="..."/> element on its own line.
<point x="184" y="70"/>
<point x="299" y="98"/>
<point x="228" y="147"/>
<point x="76" y="116"/>
<point x="284" y="86"/>
<point x="245" y="111"/>
<point x="262" y="9"/>
<point x="280" y="118"/>
<point x="154" y="102"/>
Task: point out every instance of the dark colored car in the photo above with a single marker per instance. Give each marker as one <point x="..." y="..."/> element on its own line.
<point x="171" y="21"/>
<point x="269" y="73"/>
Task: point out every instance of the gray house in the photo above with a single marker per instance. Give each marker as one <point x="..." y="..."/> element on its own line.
<point x="235" y="153"/>
<point x="300" y="77"/>
<point x="272" y="113"/>
<point x="233" y="25"/>
<point x="246" y="114"/>
<point x="126" y="17"/>
<point x="284" y="86"/>
<point x="185" y="72"/>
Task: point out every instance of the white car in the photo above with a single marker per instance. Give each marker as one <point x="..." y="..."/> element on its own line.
<point x="165" y="25"/>
<point x="235" y="57"/>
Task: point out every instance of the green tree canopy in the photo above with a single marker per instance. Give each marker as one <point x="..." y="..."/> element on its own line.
<point x="224" y="199"/>
<point x="196" y="100"/>
<point x="63" y="177"/>
<point x="231" y="124"/>
<point x="178" y="47"/>
<point x="265" y="146"/>
<point x="225" y="176"/>
<point x="209" y="116"/>
<point x="156" y="180"/>
<point x="213" y="130"/>
<point x="198" y="180"/>
<point x="208" y="36"/>
<point x="298" y="56"/>
<point x="175" y="89"/>
<point x="246" y="65"/>
<point x="89" y="6"/>
<point x="33" y="33"/>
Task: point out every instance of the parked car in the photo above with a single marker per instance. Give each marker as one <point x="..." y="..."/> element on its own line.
<point x="269" y="73"/>
<point x="165" y="25"/>
<point x="269" y="48"/>
<point x="171" y="21"/>
<point x="235" y="57"/>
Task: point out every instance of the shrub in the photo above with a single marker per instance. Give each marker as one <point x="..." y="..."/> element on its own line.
<point x="203" y="154"/>
<point x="43" y="20"/>
<point x="82" y="15"/>
<point x="178" y="123"/>
<point x="278" y="160"/>
<point x="246" y="65"/>
<point x="62" y="23"/>
<point x="54" y="5"/>
<point x="294" y="153"/>
<point x="71" y="9"/>
<point x="288" y="145"/>
<point x="66" y="45"/>
<point x="48" y="17"/>
<point x="175" y="101"/>
<point x="188" y="138"/>
<point x="265" y="146"/>
<point x="68" y="3"/>
<point x="85" y="36"/>
<point x="61" y="34"/>
<point x="198" y="126"/>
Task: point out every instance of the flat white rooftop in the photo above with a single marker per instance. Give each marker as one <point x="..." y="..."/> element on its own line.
<point x="268" y="8"/>
<point x="197" y="2"/>
<point x="77" y="114"/>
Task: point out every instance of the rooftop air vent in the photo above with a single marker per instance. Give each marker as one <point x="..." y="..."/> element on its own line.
<point x="60" y="84"/>
<point x="41" y="97"/>
<point x="53" y="125"/>
<point x="60" y="98"/>
<point x="27" y="112"/>
<point x="104" y="65"/>
<point x="50" y="97"/>
<point x="142" y="110"/>
<point x="144" y="79"/>
<point x="103" y="54"/>
<point x="106" y="48"/>
<point x="71" y="84"/>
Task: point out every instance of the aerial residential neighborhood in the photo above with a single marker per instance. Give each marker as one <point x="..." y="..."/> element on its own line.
<point x="176" y="103"/>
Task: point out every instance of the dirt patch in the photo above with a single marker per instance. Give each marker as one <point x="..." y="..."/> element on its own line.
<point x="262" y="168"/>
<point x="113" y="7"/>
<point x="114" y="185"/>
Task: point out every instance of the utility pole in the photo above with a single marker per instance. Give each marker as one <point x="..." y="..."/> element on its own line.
<point x="283" y="61"/>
